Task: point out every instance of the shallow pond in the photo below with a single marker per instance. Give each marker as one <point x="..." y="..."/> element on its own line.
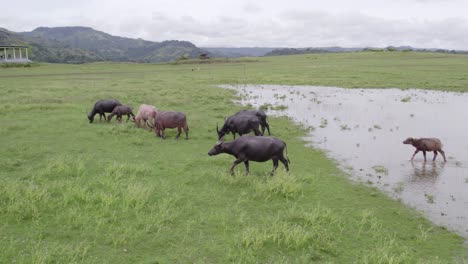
<point x="363" y="129"/>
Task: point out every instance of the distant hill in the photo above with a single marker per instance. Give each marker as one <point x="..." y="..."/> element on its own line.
<point x="239" y="52"/>
<point x="10" y="38"/>
<point x="84" y="44"/>
<point x="297" y="51"/>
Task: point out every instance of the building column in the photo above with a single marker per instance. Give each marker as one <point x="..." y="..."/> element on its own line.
<point x="27" y="54"/>
<point x="21" y="56"/>
<point x="14" y="53"/>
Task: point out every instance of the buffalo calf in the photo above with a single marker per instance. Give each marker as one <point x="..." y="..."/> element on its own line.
<point x="120" y="111"/>
<point x="426" y="144"/>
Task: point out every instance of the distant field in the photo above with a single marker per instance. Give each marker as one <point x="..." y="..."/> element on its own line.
<point x="74" y="192"/>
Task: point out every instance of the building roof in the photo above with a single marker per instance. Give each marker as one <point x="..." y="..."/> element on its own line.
<point x="13" y="46"/>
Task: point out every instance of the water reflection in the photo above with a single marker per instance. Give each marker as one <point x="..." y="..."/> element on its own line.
<point x="363" y="130"/>
<point x="426" y="171"/>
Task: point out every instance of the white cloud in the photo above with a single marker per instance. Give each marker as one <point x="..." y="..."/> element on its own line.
<point x="294" y="23"/>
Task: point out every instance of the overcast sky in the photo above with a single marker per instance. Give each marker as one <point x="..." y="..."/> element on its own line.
<point x="261" y="23"/>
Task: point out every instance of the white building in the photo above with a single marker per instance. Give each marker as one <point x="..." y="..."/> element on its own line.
<point x="14" y="54"/>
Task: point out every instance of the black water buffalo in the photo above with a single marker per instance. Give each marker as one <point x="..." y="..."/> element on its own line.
<point x="251" y="148"/>
<point x="241" y="124"/>
<point x="261" y="116"/>
<point x="101" y="107"/>
<point x="170" y="119"/>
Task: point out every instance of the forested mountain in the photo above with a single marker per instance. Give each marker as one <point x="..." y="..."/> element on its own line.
<point x="84" y="44"/>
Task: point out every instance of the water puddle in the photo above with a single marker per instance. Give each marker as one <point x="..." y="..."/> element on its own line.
<point x="363" y="130"/>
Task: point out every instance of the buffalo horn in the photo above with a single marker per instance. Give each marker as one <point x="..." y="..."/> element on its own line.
<point x="221" y="141"/>
<point x="148" y="123"/>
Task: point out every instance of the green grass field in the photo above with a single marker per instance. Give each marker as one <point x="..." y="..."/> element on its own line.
<point x="74" y="192"/>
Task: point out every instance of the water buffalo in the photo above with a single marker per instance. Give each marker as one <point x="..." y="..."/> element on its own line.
<point x="170" y="119"/>
<point x="101" y="107"/>
<point x="121" y="110"/>
<point x="241" y="124"/>
<point x="426" y="144"/>
<point x="261" y="116"/>
<point x="145" y="113"/>
<point x="251" y="148"/>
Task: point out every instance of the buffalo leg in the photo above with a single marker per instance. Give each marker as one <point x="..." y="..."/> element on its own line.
<point x="435" y="155"/>
<point x="234" y="165"/>
<point x="257" y="132"/>
<point x="246" y="167"/>
<point x="285" y="163"/>
<point x="443" y="154"/>
<point x="163" y="134"/>
<point x="275" y="166"/>
<point x="416" y="152"/>
<point x="268" y="128"/>
<point x="186" y="132"/>
<point x="424" y="153"/>
<point x="179" y="131"/>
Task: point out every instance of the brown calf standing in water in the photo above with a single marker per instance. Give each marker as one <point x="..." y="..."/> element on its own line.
<point x="119" y="111"/>
<point x="426" y="144"/>
<point x="170" y="119"/>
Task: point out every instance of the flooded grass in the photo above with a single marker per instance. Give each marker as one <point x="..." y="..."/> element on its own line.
<point x="380" y="122"/>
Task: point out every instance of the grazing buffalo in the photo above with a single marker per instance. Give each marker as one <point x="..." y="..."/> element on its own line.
<point x="251" y="148"/>
<point x="241" y="124"/>
<point x="145" y="113"/>
<point x="170" y="119"/>
<point x="101" y="107"/>
<point x="426" y="144"/>
<point x="120" y="111"/>
<point x="261" y="116"/>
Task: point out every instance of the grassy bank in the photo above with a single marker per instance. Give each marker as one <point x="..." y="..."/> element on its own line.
<point x="73" y="192"/>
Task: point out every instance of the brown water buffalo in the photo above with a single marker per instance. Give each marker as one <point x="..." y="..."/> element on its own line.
<point x="426" y="144"/>
<point x="170" y="119"/>
<point x="252" y="148"/>
<point x="101" y="107"/>
<point x="120" y="111"/>
<point x="145" y="113"/>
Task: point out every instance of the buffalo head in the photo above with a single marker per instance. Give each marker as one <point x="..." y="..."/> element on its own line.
<point x="218" y="148"/>
<point x="408" y="141"/>
<point x="90" y="118"/>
